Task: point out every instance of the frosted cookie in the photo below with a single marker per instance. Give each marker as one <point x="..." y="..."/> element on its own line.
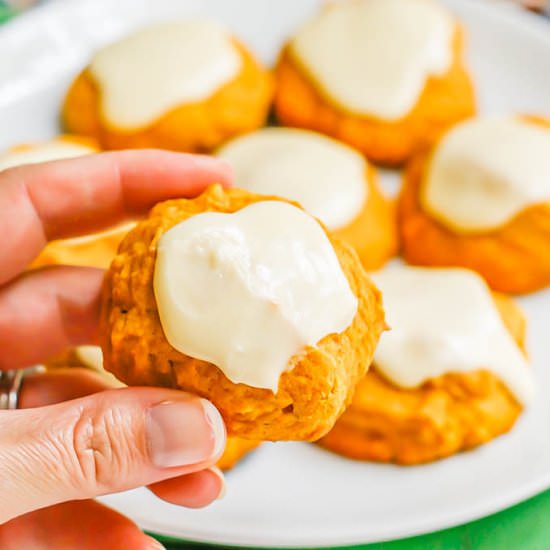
<point x="81" y="356"/>
<point x="330" y="180"/>
<point x="95" y="250"/>
<point x="449" y="375"/>
<point x="89" y="357"/>
<point x="61" y="147"/>
<point x="385" y="76"/>
<point x="92" y="358"/>
<point x="185" y="86"/>
<point x="270" y="319"/>
<point x="481" y="199"/>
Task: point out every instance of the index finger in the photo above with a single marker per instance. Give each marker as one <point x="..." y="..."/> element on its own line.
<point x="64" y="198"/>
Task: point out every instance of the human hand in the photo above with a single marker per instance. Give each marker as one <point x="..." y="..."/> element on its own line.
<point x="73" y="439"/>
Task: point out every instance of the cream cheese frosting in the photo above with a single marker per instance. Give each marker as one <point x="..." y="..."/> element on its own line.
<point x="373" y="57"/>
<point x="442" y="321"/>
<point x="328" y="178"/>
<point x="487" y="170"/>
<point x="247" y="291"/>
<point x="159" y="68"/>
<point x="43" y="152"/>
<point x="91" y="356"/>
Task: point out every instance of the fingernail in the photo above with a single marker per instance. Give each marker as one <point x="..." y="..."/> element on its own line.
<point x="223" y="487"/>
<point x="218" y="426"/>
<point x="154" y="544"/>
<point x="186" y="432"/>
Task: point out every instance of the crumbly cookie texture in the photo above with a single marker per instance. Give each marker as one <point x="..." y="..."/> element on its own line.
<point x="239" y="106"/>
<point x="311" y="395"/>
<point x="514" y="258"/>
<point x="444" y="101"/>
<point x="446" y="415"/>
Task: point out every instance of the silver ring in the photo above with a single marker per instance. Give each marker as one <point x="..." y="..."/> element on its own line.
<point x="11" y="382"/>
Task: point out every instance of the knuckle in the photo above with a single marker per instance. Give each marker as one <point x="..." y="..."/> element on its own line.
<point x="104" y="450"/>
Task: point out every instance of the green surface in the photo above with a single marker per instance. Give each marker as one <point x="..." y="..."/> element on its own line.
<point x="5" y="12"/>
<point x="522" y="527"/>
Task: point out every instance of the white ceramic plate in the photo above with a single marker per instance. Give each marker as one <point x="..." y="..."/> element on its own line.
<point x="293" y="494"/>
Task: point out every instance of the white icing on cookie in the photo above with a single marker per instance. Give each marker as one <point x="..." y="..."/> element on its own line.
<point x="373" y="57"/>
<point x="159" y="68"/>
<point x="487" y="170"/>
<point x="328" y="178"/>
<point x="249" y="290"/>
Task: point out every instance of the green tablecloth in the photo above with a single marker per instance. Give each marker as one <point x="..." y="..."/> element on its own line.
<point x="5" y="12"/>
<point x="522" y="527"/>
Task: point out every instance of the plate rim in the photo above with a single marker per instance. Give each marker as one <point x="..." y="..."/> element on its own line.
<point x="515" y="498"/>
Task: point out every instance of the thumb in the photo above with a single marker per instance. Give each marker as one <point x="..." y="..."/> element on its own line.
<point x="103" y="443"/>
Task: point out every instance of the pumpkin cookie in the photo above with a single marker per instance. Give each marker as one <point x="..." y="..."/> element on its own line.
<point x="61" y="147"/>
<point x="481" y="200"/>
<point x="385" y="76"/>
<point x="81" y="356"/>
<point x="236" y="449"/>
<point x="185" y="86"/>
<point x="272" y="320"/>
<point x="450" y="374"/>
<point x="95" y="250"/>
<point x="330" y="180"/>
